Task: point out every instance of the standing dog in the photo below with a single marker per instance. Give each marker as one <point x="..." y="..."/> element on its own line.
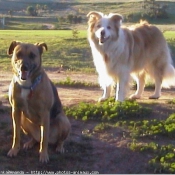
<point x="36" y="107"/>
<point x="119" y="52"/>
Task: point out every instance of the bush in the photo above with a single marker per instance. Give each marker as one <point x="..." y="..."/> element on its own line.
<point x="109" y="110"/>
<point x="31" y="11"/>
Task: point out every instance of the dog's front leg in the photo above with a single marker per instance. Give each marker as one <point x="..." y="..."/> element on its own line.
<point x="106" y="93"/>
<point x="44" y="129"/>
<point x="16" y="119"/>
<point x="122" y="88"/>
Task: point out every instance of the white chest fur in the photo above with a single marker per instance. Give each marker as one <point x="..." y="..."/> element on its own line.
<point x="25" y="93"/>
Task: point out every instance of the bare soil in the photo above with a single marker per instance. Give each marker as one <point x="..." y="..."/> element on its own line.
<point x="104" y="152"/>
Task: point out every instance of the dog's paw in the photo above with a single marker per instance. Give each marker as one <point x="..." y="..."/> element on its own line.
<point x="134" y="96"/>
<point x="60" y="148"/>
<point x="29" y="144"/>
<point x="44" y="157"/>
<point x="154" y="96"/>
<point x="13" y="152"/>
<point x="101" y="99"/>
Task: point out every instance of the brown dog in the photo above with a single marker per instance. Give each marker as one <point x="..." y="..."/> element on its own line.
<point x="36" y="107"/>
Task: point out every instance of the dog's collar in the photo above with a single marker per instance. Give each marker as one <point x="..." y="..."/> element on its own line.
<point x="35" y="83"/>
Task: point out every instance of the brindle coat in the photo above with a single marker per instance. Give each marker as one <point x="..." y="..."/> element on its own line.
<point x="36" y="106"/>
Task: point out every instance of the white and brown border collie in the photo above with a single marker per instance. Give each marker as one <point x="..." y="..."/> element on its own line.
<point x="119" y="52"/>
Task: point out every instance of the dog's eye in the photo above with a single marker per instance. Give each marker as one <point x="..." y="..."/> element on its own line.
<point x="108" y="27"/>
<point x="31" y="55"/>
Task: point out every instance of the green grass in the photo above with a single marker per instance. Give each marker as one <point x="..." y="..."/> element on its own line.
<point x="172" y="101"/>
<point x="77" y="84"/>
<point x="169" y="35"/>
<point x="63" y="48"/>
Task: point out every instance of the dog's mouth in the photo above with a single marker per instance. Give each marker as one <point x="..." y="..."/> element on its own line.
<point x="24" y="75"/>
<point x="103" y="39"/>
<point x="25" y="72"/>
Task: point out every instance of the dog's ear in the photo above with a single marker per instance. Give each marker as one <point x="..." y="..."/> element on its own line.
<point x="116" y="17"/>
<point x="41" y="46"/>
<point x="12" y="47"/>
<point x="93" y="15"/>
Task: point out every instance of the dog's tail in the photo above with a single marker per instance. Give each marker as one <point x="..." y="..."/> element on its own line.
<point x="169" y="76"/>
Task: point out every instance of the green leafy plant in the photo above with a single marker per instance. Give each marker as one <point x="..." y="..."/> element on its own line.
<point x="75" y="33"/>
<point x="101" y="127"/>
<point x="171" y="101"/>
<point x="131" y="116"/>
<point x="109" y="110"/>
<point x="74" y="83"/>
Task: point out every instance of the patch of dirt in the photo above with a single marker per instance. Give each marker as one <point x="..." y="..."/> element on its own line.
<point x="102" y="152"/>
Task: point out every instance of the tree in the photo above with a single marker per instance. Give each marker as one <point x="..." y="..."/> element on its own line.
<point x="31" y="11"/>
<point x="155" y="9"/>
<point x="45" y="7"/>
<point x="70" y="18"/>
<point x="61" y="19"/>
<point x="10" y="12"/>
<point x="75" y="19"/>
<point x="38" y="7"/>
<point x="149" y="6"/>
<point x="79" y="19"/>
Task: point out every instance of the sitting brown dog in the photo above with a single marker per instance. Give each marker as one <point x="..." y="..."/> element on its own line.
<point x="36" y="106"/>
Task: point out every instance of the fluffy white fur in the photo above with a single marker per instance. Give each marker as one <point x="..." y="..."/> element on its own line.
<point x="119" y="52"/>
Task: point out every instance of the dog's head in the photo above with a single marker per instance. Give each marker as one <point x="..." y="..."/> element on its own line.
<point x="26" y="58"/>
<point x="104" y="27"/>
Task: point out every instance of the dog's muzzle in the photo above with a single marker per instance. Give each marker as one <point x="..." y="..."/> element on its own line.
<point x="25" y="71"/>
<point x="103" y="37"/>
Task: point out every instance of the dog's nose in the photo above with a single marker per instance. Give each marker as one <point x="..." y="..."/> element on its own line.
<point x="103" y="33"/>
<point x="24" y="67"/>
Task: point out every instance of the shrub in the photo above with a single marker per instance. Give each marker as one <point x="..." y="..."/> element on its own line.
<point x="107" y="111"/>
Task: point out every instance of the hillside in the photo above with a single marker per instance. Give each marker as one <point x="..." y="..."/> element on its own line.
<point x="13" y="13"/>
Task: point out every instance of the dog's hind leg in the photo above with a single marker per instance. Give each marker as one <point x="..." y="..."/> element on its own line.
<point x="140" y="82"/>
<point x="157" y="92"/>
<point x="59" y="131"/>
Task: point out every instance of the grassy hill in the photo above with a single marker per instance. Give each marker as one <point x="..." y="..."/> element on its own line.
<point x="55" y="12"/>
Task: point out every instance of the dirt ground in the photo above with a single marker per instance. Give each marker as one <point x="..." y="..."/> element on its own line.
<point x="105" y="152"/>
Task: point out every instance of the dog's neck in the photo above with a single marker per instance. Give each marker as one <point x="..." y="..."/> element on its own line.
<point x="23" y="83"/>
<point x="28" y="84"/>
